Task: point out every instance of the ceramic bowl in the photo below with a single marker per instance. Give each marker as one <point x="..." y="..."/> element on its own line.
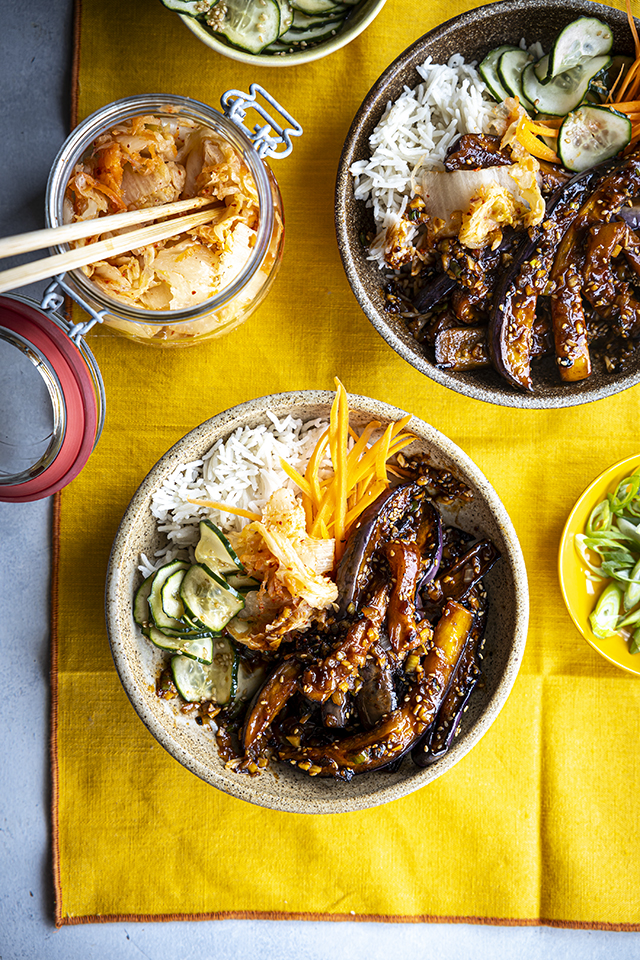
<point x="472" y="34"/>
<point x="283" y="787"/>
<point x="357" y="22"/>
<point x="579" y="593"/>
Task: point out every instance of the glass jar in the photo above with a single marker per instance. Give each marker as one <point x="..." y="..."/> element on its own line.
<point x="51" y="397"/>
<point x="231" y="305"/>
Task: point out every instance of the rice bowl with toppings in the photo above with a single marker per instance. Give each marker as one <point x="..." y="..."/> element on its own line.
<point x="366" y="207"/>
<point x="290" y="788"/>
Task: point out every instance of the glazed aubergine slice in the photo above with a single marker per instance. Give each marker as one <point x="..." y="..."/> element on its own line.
<point x="513" y="312"/>
<point x="397" y="732"/>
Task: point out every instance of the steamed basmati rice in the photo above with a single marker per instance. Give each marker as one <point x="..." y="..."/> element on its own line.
<point x="416" y="131"/>
<point x="242" y="470"/>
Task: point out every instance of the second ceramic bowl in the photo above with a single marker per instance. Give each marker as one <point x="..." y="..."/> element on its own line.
<point x="472" y="34"/>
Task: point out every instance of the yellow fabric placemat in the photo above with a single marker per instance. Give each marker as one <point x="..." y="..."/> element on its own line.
<point x="538" y="824"/>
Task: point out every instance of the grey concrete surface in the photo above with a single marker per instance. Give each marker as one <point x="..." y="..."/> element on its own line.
<point x="35" y="41"/>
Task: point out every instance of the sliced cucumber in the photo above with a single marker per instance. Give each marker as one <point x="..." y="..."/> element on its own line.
<point x="208" y="599"/>
<point x="247" y="25"/>
<point x="564" y="92"/>
<point x="198" y="648"/>
<point x="160" y="618"/>
<point x="591" y="135"/>
<point x="302" y="21"/>
<point x="511" y="66"/>
<point x="286" y="15"/>
<point x="580" y="41"/>
<point x="191" y="678"/>
<point x="314" y="7"/>
<point x="141" y="612"/>
<point x="489" y="72"/>
<point x="170" y="595"/>
<point x="215" y="681"/>
<point x="192" y="8"/>
<point x="319" y="32"/>
<point x="243" y="584"/>
<point x="240" y="628"/>
<point x="215" y="551"/>
<point x="224" y="671"/>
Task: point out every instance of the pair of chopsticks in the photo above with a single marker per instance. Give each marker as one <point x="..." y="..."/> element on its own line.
<point x="92" y="252"/>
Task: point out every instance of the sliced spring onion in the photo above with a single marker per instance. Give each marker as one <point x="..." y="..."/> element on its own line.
<point x="604" y="618"/>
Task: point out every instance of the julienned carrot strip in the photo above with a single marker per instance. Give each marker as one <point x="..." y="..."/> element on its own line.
<point x="297" y="478"/>
<point x="367" y="462"/>
<point x="624" y="86"/>
<point x="227" y="508"/>
<point x="542" y="130"/>
<point x="372" y="493"/>
<point x="311" y="474"/>
<point x="358" y="449"/>
<point x="340" y="466"/>
<point x="383" y="454"/>
<point x="625" y="106"/>
<point x="531" y="143"/>
<point x="632" y="27"/>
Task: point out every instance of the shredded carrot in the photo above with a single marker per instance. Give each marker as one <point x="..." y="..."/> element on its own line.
<point x="311" y="474"/>
<point x="297" y="478"/>
<point x="226" y="508"/>
<point x="360" y="474"/>
<point x="632" y="27"/>
<point x="625" y="106"/>
<point x="531" y="143"/>
<point x="542" y="130"/>
<point x="626" y="82"/>
<point x="340" y="460"/>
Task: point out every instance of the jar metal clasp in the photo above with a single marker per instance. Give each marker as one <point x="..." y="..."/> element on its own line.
<point x="235" y="104"/>
<point x="52" y="300"/>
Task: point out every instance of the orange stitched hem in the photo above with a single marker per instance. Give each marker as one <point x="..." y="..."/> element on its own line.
<point x="344" y="917"/>
<point x="53" y="732"/>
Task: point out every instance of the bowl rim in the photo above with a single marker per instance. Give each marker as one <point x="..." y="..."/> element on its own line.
<point x="241" y="787"/>
<point x="343" y="189"/>
<point x="618" y="657"/>
<point x="290" y="59"/>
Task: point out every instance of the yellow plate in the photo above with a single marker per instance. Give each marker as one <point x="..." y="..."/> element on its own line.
<point x="581" y="594"/>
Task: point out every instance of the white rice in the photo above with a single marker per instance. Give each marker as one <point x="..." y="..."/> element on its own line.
<point x="242" y="470"/>
<point x="416" y="131"/>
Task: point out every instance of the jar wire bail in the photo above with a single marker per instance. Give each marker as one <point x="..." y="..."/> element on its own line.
<point x="235" y="104"/>
<point x="52" y="300"/>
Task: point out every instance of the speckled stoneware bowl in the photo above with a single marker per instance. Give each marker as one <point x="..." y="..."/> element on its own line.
<point x="357" y="22"/>
<point x="283" y="787"/>
<point x="472" y="34"/>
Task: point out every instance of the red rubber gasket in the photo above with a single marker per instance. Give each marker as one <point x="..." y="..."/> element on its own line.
<point x="79" y="396"/>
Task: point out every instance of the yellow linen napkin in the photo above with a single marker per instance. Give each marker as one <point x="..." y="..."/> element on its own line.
<point x="538" y="823"/>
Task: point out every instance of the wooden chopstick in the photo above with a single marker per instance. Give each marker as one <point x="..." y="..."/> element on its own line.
<point x="92" y="252"/>
<point x="52" y="236"/>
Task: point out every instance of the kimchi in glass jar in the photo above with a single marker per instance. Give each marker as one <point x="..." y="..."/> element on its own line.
<point x="149" y="150"/>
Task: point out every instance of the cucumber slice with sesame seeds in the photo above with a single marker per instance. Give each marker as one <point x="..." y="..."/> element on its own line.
<point x="510" y="69"/>
<point x="196" y="648"/>
<point x="208" y="599"/>
<point x="159" y="617"/>
<point x="564" y="92"/>
<point x="141" y="612"/>
<point x="314" y="7"/>
<point x="250" y="25"/>
<point x="590" y="135"/>
<point x="215" y="551"/>
<point x="216" y="681"/>
<point x="488" y="70"/>
<point x="581" y="40"/>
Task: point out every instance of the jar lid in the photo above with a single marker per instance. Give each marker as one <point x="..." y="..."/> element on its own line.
<point x="51" y="398"/>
